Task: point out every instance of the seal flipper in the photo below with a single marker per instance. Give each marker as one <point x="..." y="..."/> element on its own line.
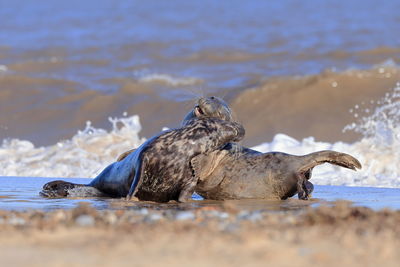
<point x="58" y="188"/>
<point x="188" y="189"/>
<point x="304" y="187"/>
<point x="125" y="154"/>
<point x="204" y="165"/>
<point x="328" y="156"/>
<point x="201" y="166"/>
<point x="139" y="172"/>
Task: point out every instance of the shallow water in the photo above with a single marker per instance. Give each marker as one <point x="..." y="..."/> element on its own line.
<point x="301" y="69"/>
<point x="22" y="193"/>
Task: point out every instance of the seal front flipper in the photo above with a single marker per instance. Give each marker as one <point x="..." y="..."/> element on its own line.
<point x="188" y="189"/>
<point x="204" y="165"/>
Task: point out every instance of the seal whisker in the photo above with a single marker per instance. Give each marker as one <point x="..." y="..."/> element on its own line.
<point x="192" y="93"/>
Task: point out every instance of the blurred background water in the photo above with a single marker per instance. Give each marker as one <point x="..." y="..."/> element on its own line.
<point x="223" y="43"/>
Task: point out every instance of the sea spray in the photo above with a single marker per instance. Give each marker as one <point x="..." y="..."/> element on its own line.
<point x="84" y="155"/>
<point x="378" y="149"/>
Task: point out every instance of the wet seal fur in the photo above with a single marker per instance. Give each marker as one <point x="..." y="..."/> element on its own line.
<point x="116" y="179"/>
<point x="164" y="171"/>
<point x="236" y="172"/>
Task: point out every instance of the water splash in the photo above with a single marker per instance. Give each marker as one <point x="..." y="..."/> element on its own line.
<point x="378" y="150"/>
<point x="382" y="127"/>
<point x="84" y="155"/>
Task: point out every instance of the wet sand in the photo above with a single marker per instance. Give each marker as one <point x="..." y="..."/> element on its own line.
<point x="338" y="235"/>
<point x="323" y="231"/>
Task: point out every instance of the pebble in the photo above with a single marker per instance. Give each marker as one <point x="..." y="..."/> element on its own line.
<point x="16" y="221"/>
<point x="229" y="227"/>
<point x="185" y="215"/>
<point x="250" y="216"/>
<point x="143" y="211"/>
<point x="85" y="220"/>
<point x="111" y="218"/>
<point x="153" y="217"/>
<point x="59" y="215"/>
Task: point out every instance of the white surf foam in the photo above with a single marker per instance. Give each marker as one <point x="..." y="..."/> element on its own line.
<point x="85" y="155"/>
<point x="169" y="80"/>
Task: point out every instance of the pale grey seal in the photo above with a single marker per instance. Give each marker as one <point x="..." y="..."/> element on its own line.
<point x="236" y="172"/>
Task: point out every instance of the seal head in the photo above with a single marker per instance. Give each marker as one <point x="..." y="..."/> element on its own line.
<point x="209" y="107"/>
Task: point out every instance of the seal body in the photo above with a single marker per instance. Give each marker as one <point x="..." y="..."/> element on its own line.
<point x="164" y="171"/>
<point x="236" y="172"/>
<point x="116" y="179"/>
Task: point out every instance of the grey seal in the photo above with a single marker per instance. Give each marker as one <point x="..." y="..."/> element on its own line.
<point x="237" y="172"/>
<point x="163" y="164"/>
<point x="116" y="179"/>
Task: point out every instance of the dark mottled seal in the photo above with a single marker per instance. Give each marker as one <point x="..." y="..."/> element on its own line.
<point x="206" y="107"/>
<point x="116" y="179"/>
<point x="164" y="171"/>
<point x="236" y="172"/>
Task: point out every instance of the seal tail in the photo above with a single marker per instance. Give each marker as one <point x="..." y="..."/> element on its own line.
<point x="329" y="156"/>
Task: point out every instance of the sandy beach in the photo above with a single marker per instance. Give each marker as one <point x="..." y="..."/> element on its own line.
<point x="334" y="235"/>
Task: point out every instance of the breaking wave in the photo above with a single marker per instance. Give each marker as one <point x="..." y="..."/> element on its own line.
<point x="84" y="155"/>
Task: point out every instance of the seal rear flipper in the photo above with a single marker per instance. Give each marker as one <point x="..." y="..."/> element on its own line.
<point x="328" y="156"/>
<point x="304" y="187"/>
<point x="125" y="154"/>
<point x="58" y="188"/>
<point x="139" y="172"/>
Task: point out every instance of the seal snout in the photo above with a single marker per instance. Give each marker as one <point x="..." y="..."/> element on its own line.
<point x="240" y="132"/>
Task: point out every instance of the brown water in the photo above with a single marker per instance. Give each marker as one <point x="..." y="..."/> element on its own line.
<point x="289" y="66"/>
